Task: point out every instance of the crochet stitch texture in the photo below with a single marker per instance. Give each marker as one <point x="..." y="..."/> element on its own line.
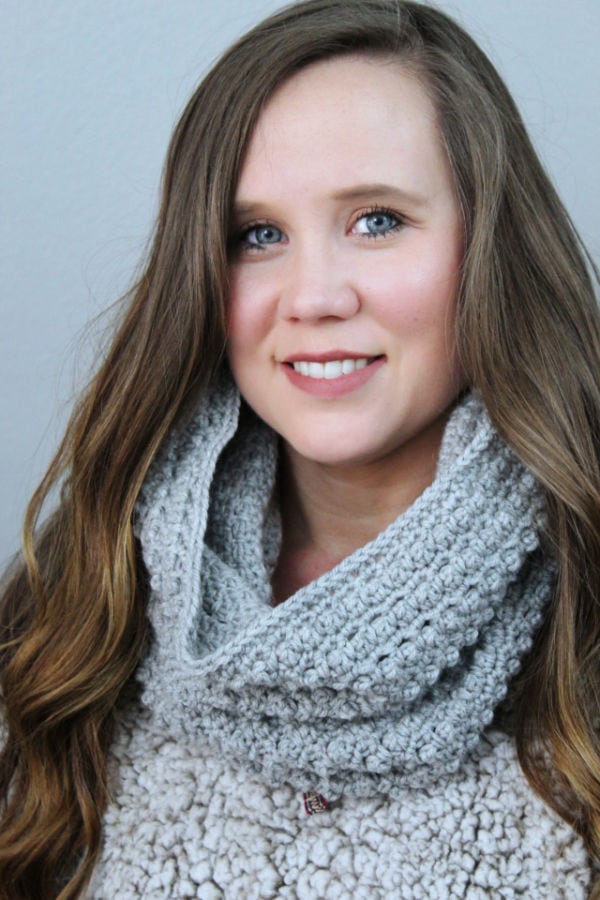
<point x="381" y="674"/>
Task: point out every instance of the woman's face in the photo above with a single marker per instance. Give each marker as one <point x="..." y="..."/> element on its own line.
<point x="345" y="265"/>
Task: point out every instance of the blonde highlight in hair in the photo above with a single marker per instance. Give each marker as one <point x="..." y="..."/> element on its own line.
<point x="73" y="609"/>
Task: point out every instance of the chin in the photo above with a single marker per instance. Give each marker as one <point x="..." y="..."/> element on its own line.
<point x="331" y="451"/>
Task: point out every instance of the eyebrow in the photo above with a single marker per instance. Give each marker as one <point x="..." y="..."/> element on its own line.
<point x="250" y="208"/>
<point x="365" y="192"/>
<point x="380" y="192"/>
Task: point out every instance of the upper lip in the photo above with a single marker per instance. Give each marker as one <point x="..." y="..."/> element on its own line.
<point x="327" y="356"/>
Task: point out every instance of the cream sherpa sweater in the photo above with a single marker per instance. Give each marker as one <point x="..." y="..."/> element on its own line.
<point x="186" y="823"/>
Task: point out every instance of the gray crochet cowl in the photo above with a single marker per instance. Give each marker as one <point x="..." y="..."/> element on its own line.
<point x="385" y="671"/>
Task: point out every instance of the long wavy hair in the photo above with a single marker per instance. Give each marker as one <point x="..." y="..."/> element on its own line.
<point x="73" y="607"/>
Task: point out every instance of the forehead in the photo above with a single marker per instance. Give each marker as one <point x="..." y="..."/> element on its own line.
<point x="333" y="80"/>
<point x="351" y="118"/>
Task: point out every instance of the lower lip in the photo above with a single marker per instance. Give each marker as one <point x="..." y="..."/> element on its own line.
<point x="330" y="388"/>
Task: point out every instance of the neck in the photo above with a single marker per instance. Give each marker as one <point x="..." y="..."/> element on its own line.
<point x="329" y="511"/>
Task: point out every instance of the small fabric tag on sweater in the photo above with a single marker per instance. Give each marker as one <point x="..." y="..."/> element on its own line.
<point x="314" y="802"/>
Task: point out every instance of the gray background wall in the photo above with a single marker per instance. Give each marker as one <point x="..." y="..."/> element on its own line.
<point x="90" y="92"/>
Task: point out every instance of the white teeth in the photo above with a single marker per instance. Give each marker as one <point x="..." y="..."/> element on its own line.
<point x="331" y="369"/>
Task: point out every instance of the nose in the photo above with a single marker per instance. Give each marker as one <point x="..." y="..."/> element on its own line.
<point x="316" y="287"/>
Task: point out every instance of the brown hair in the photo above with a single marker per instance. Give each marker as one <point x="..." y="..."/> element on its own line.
<point x="73" y="621"/>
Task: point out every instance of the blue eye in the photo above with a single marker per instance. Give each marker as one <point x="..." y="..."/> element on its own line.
<point x="261" y="235"/>
<point x="376" y="223"/>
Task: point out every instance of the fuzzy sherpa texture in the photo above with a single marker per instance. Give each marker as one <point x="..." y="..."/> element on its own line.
<point x="187" y="823"/>
<point x="376" y="684"/>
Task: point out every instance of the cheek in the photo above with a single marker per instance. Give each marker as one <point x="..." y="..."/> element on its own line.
<point x="247" y="314"/>
<point x="422" y="300"/>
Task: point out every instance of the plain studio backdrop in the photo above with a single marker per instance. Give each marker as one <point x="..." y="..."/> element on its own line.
<point x="90" y="94"/>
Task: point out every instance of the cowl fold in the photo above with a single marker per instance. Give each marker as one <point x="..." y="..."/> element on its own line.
<point x="385" y="671"/>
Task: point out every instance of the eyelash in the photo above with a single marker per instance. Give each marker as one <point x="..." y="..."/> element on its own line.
<point x="240" y="239"/>
<point x="381" y="211"/>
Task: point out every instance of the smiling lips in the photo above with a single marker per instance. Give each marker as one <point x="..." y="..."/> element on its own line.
<point x="332" y="369"/>
<point x="330" y="378"/>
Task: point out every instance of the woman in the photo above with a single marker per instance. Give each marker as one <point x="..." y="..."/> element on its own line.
<point x="355" y="227"/>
